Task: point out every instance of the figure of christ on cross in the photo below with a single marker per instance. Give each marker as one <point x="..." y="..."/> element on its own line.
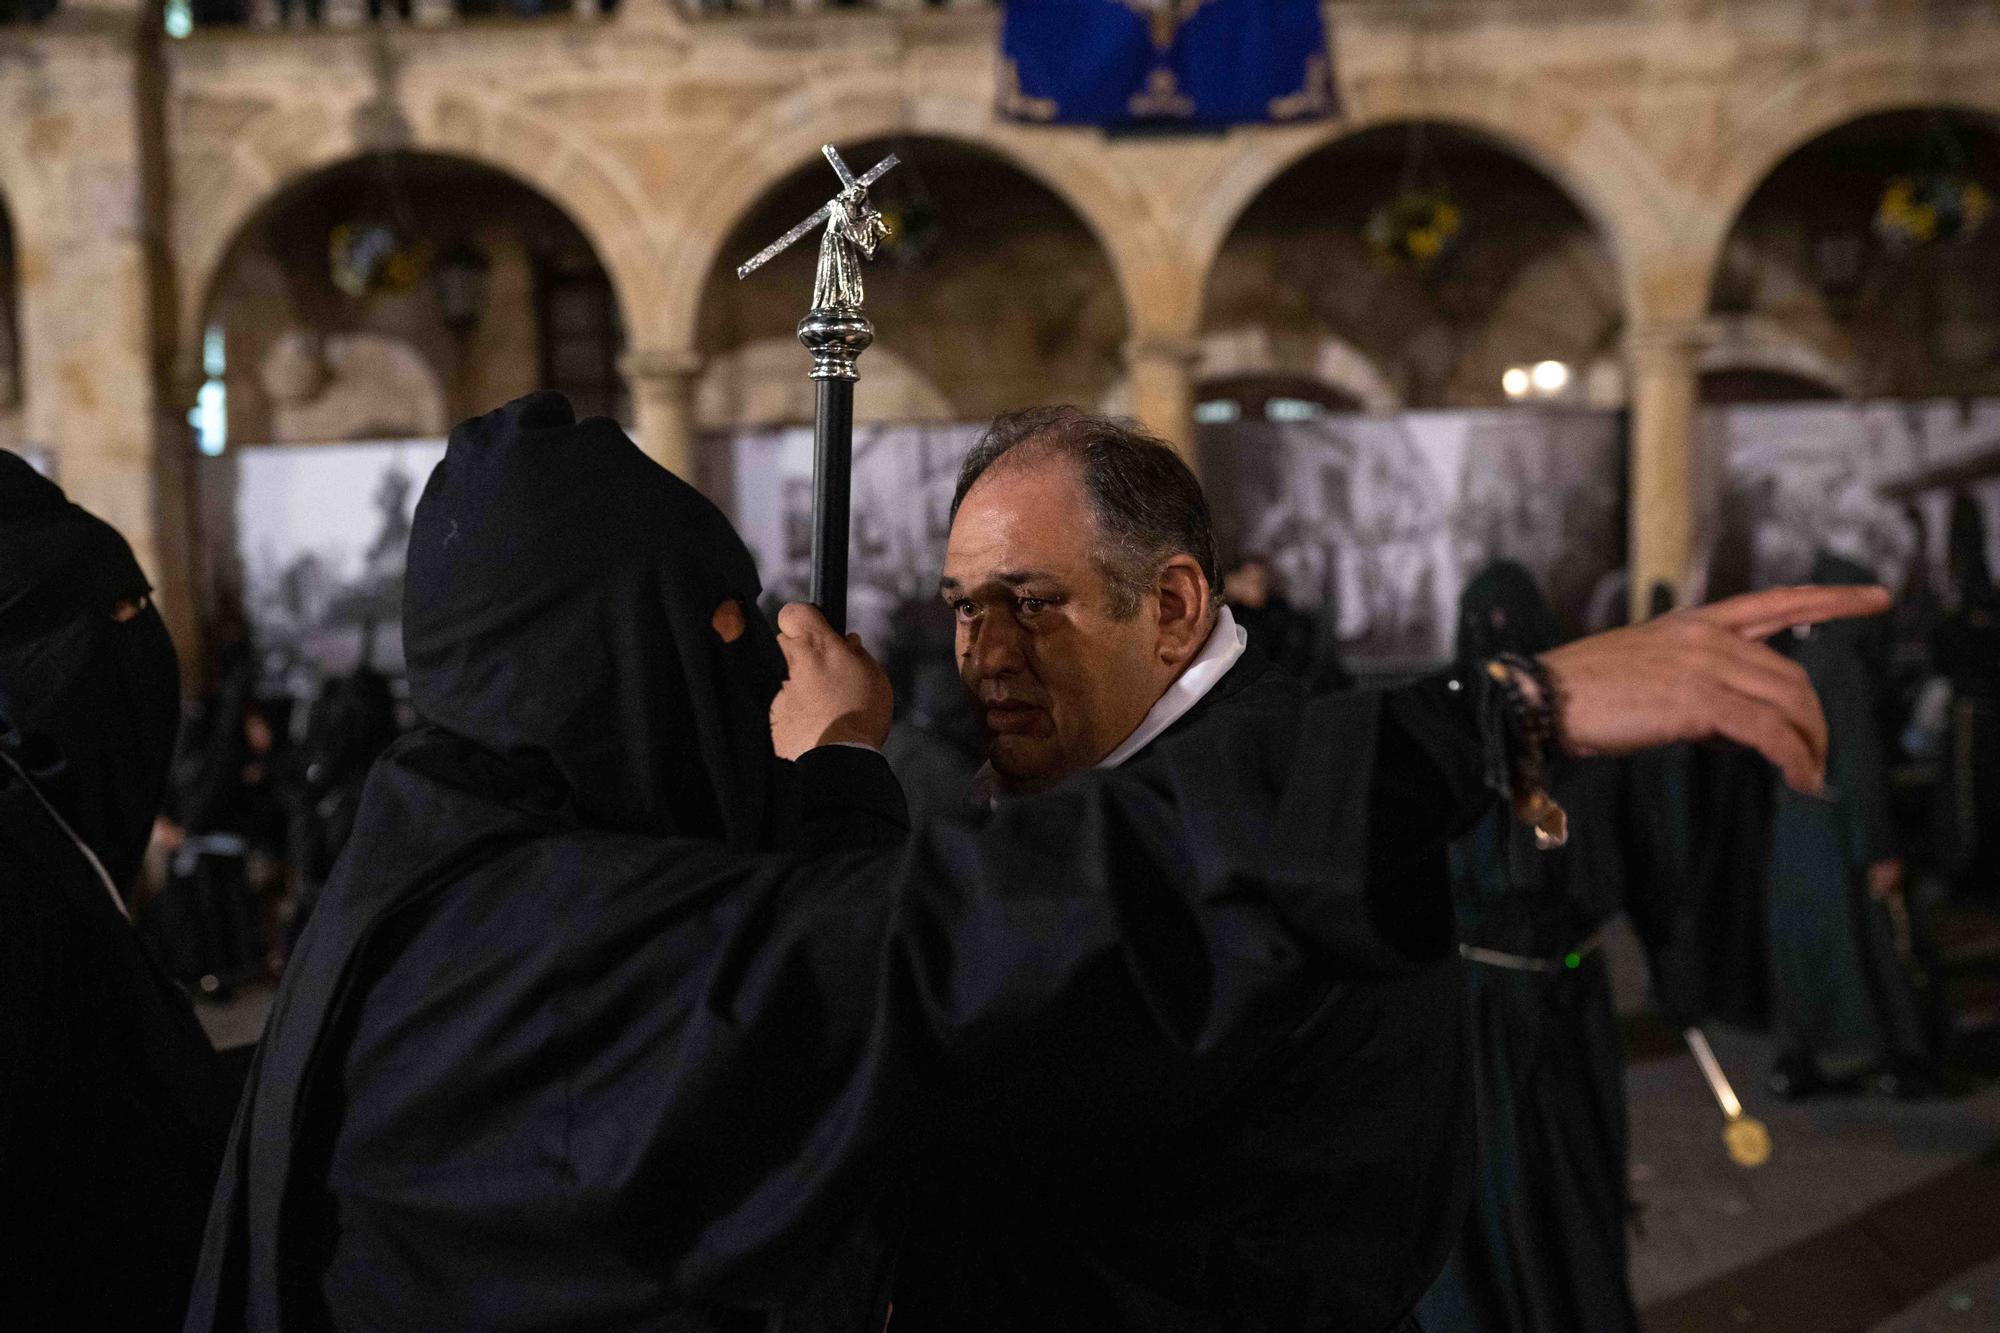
<point x="836" y="332"/>
<point x="850" y="225"/>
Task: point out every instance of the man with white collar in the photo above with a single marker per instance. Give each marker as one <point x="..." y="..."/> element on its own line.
<point x="1082" y="573"/>
<point x="1064" y="528"/>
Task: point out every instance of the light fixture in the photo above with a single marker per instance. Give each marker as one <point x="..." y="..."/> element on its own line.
<point x="1218" y="411"/>
<point x="1550" y="377"/>
<point x="210" y="418"/>
<point x="1515" y="382"/>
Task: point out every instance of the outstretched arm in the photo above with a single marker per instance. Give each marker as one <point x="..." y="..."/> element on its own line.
<point x="1705" y="674"/>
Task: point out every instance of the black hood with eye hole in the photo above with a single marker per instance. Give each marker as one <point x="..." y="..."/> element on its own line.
<point x="1530" y="624"/>
<point x="558" y="611"/>
<point x="89" y="703"/>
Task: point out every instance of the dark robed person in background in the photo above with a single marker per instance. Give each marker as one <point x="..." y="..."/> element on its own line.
<point x="1967" y="653"/>
<point x="112" y="1110"/>
<point x="598" y="1024"/>
<point x="222" y="823"/>
<point x="1841" y="999"/>
<point x="1543" y="1250"/>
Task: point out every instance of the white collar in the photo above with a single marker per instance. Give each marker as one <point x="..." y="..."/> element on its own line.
<point x="1225" y="644"/>
<point x="1226" y="641"/>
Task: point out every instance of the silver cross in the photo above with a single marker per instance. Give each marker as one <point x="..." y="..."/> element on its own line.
<point x="848" y="181"/>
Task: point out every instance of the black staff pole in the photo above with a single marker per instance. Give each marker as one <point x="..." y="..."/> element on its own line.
<point x="833" y="472"/>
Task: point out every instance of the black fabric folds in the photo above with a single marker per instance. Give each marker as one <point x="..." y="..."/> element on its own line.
<point x="1544" y="1246"/>
<point x="562" y="1049"/>
<point x="111" y="1107"/>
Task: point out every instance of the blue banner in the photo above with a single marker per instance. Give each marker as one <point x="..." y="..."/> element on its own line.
<point x="1203" y="63"/>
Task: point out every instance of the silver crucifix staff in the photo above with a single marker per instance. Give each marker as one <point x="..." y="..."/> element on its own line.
<point x="836" y="332"/>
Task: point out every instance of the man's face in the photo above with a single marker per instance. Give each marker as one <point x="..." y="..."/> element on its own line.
<point x="1058" y="680"/>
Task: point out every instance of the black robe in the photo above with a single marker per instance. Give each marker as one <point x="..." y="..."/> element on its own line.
<point x="1840" y="995"/>
<point x="1968" y="799"/>
<point x="112" y="1108"/>
<point x="566" y="1046"/>
<point x="1318" y="1186"/>
<point x="1543" y="1250"/>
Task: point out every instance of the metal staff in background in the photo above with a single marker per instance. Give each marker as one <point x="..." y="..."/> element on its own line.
<point x="836" y="332"/>
<point x="1749" y="1143"/>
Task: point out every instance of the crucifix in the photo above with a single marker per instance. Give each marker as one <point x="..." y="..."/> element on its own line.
<point x="836" y="332"/>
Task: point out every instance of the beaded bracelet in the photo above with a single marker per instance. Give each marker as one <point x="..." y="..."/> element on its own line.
<point x="1528" y="692"/>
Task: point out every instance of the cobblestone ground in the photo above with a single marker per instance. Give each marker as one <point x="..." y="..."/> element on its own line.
<point x="1872" y="1214"/>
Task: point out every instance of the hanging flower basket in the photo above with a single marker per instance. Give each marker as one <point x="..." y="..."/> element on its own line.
<point x="368" y="258"/>
<point x="915" y="230"/>
<point x="1935" y="206"/>
<point x="1415" y="227"/>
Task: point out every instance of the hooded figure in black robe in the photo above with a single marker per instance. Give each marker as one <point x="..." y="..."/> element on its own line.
<point x="348" y="727"/>
<point x="1841" y="999"/>
<point x="1967" y="653"/>
<point x="204" y="923"/>
<point x="1544" y="1248"/>
<point x="1321" y="1191"/>
<point x="111" y="1108"/>
<point x="563" y="1047"/>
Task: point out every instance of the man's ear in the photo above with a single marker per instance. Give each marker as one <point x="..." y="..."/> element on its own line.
<point x="1185" y="601"/>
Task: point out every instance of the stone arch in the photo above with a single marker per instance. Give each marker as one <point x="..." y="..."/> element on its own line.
<point x="271" y="293"/>
<point x="1333" y="361"/>
<point x="1802" y="251"/>
<point x="1584" y="172"/>
<point x="992" y="286"/>
<point x="759" y="384"/>
<point x="771" y="146"/>
<point x="1815" y="108"/>
<point x="283" y="147"/>
<point x="1754" y="343"/>
<point x="1295" y="254"/>
<point x="370" y="387"/>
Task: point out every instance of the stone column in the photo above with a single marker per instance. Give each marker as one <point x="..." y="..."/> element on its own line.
<point x="662" y="381"/>
<point x="1161" y="369"/>
<point x="1667" y="476"/>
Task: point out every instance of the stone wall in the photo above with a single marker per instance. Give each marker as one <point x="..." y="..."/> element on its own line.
<point x="660" y="135"/>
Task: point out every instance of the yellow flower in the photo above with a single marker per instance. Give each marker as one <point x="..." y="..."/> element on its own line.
<point x="1976" y="204"/>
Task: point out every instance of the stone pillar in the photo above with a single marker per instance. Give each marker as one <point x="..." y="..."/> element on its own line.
<point x="1161" y="369"/>
<point x="86" y="282"/>
<point x="662" y="381"/>
<point x="1667" y="475"/>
